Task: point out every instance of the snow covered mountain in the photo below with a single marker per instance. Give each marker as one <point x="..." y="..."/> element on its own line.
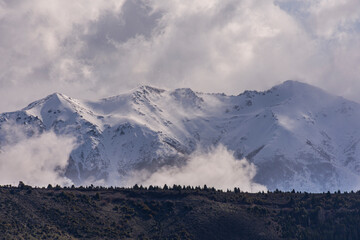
<point x="297" y="135"/>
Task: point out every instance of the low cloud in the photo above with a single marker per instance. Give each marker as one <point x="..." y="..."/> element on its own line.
<point x="216" y="168"/>
<point x="37" y="160"/>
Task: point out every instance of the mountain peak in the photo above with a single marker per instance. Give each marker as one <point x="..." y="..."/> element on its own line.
<point x="149" y="89"/>
<point x="293" y="82"/>
<point x="187" y="97"/>
<point x="185" y="91"/>
<point x="292" y="88"/>
<point x="54" y="97"/>
<point x="290" y="85"/>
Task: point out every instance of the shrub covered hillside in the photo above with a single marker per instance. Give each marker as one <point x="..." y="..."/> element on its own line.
<point x="175" y="213"/>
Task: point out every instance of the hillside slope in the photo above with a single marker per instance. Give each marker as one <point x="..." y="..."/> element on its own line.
<point x="89" y="213"/>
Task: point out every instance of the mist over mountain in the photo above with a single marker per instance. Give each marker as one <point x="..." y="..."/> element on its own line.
<point x="292" y="136"/>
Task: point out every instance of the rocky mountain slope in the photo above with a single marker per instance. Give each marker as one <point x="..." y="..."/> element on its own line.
<point x="297" y="135"/>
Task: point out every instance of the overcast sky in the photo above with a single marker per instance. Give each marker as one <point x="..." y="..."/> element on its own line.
<point x="92" y="49"/>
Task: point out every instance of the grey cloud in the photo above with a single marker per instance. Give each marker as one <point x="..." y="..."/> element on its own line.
<point x="100" y="48"/>
<point x="135" y="18"/>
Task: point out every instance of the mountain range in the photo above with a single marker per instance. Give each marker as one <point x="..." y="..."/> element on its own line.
<point x="298" y="136"/>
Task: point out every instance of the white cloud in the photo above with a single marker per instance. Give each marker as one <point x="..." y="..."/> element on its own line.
<point x="36" y="161"/>
<point x="100" y="48"/>
<point x="334" y="18"/>
<point x="39" y="45"/>
<point x="216" y="168"/>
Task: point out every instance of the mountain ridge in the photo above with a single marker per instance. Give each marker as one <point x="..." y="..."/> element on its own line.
<point x="296" y="134"/>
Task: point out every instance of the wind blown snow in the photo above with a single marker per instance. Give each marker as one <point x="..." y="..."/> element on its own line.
<point x="216" y="168"/>
<point x="37" y="160"/>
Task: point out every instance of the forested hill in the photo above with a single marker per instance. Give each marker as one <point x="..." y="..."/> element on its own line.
<point x="175" y="213"/>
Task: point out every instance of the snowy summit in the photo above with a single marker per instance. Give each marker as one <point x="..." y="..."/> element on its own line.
<point x="297" y="135"/>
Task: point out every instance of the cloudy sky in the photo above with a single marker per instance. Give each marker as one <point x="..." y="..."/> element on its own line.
<point x="92" y="49"/>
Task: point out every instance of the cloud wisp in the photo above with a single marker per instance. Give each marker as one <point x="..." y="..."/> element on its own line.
<point x="215" y="168"/>
<point x="38" y="160"/>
